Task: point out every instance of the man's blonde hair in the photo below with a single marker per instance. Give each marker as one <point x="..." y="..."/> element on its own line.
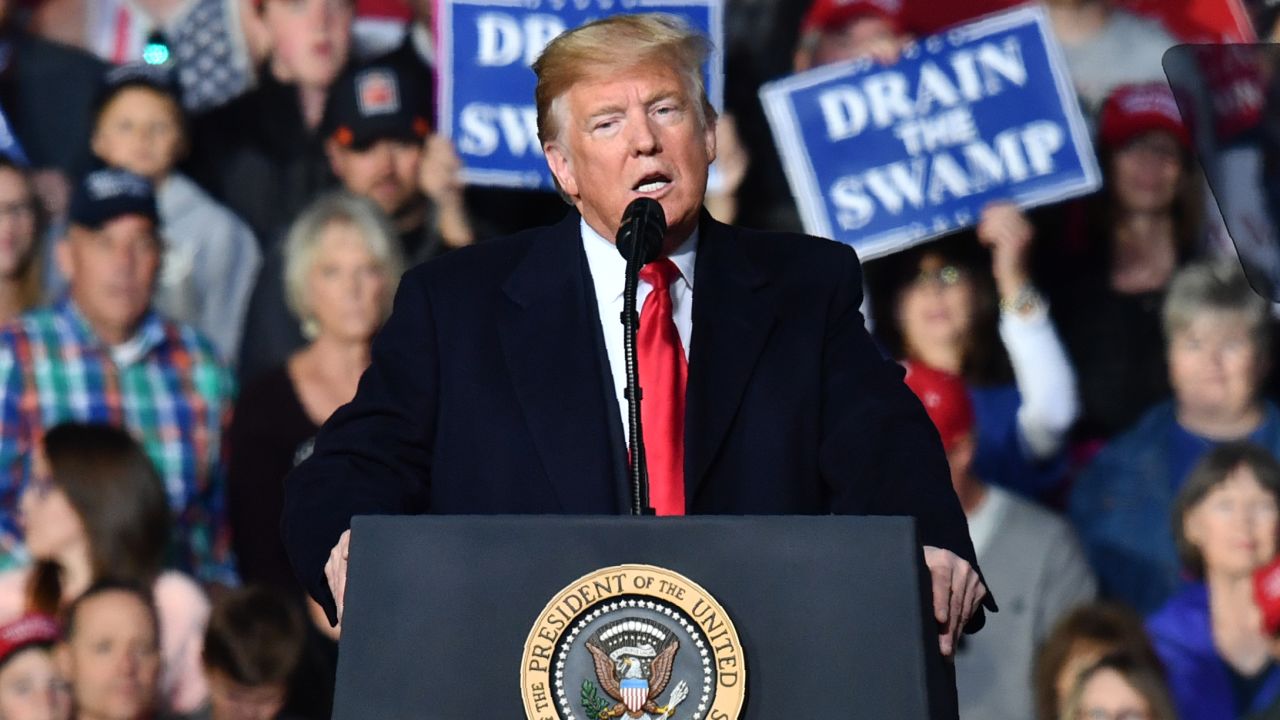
<point x="614" y="43"/>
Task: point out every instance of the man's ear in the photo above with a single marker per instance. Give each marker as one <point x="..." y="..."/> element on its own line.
<point x="561" y="168"/>
<point x="709" y="136"/>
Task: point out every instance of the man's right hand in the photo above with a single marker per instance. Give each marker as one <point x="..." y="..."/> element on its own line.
<point x="335" y="570"/>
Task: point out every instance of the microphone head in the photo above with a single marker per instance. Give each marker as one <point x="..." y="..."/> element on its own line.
<point x="644" y="224"/>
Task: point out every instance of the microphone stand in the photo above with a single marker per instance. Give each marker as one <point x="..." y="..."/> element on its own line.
<point x="630" y="324"/>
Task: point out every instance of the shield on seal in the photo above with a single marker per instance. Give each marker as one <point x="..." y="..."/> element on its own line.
<point x="635" y="692"/>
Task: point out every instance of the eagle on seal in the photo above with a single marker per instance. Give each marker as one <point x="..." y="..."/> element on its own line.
<point x="624" y="679"/>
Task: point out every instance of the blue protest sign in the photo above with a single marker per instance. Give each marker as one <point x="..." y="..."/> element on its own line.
<point x="485" y="89"/>
<point x="883" y="158"/>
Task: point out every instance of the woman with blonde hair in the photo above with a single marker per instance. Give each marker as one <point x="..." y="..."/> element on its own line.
<point x="342" y="265"/>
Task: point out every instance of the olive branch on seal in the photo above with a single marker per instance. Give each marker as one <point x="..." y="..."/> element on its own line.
<point x="591" y="700"/>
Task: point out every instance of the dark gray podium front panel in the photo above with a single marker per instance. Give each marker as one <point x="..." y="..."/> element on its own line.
<point x="828" y="609"/>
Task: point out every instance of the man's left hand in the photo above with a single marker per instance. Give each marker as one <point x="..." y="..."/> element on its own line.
<point x="957" y="592"/>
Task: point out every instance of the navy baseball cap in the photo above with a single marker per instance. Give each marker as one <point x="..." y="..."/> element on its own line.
<point x="105" y="195"/>
<point x="136" y="75"/>
<point x="375" y="102"/>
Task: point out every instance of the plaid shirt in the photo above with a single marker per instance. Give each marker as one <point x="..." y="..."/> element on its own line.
<point x="166" y="385"/>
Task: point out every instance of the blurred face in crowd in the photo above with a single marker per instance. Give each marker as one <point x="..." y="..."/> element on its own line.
<point x="113" y="660"/>
<point x="1234" y="526"/>
<point x="51" y="526"/>
<point x="232" y="701"/>
<point x="633" y="133"/>
<point x="936" y="308"/>
<point x="1215" y="367"/>
<point x="1108" y="696"/>
<point x="31" y="689"/>
<point x="386" y="172"/>
<point x="867" y="36"/>
<point x="346" y="287"/>
<point x="140" y="130"/>
<point x="112" y="272"/>
<point x="310" y="39"/>
<point x="17" y="223"/>
<point x="1146" y="172"/>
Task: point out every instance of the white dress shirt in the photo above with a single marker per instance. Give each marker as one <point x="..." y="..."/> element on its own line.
<point x="608" y="275"/>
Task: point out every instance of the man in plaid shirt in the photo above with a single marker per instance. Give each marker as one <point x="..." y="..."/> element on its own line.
<point x="103" y="355"/>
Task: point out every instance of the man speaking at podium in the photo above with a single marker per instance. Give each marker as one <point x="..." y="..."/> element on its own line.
<point x="496" y="384"/>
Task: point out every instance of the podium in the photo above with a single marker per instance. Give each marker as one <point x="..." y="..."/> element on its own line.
<point x="461" y="617"/>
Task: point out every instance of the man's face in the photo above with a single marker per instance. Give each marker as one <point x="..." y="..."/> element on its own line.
<point x="112" y="272"/>
<point x="310" y="39"/>
<point x="385" y="172"/>
<point x="631" y="134"/>
<point x="113" y="660"/>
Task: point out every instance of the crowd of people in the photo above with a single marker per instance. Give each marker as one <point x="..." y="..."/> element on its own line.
<point x="197" y="249"/>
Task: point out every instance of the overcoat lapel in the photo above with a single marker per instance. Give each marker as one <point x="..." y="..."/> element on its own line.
<point x="549" y="331"/>
<point x="733" y="316"/>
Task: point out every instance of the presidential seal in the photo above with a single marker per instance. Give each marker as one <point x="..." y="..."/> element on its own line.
<point x="635" y="642"/>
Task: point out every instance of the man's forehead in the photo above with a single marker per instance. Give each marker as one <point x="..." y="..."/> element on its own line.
<point x="646" y="82"/>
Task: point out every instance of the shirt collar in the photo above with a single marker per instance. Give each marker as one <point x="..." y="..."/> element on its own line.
<point x="608" y="267"/>
<point x="149" y="336"/>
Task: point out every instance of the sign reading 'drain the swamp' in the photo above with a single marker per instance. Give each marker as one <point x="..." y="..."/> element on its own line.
<point x="883" y="157"/>
<point x="485" y="93"/>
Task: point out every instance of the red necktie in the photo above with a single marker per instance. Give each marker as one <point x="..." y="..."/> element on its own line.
<point x="663" y="373"/>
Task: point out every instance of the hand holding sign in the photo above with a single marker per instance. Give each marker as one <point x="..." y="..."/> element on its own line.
<point x="886" y="157"/>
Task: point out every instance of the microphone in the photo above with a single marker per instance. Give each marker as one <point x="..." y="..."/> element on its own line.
<point x="644" y="224"/>
<point x="640" y="235"/>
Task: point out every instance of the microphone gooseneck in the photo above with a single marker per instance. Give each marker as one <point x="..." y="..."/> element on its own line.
<point x="644" y="224"/>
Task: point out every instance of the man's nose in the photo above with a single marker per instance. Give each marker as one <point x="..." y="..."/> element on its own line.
<point x="644" y="136"/>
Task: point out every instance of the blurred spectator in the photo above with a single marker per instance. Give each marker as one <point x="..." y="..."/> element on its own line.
<point x="1028" y="552"/>
<point x="110" y="653"/>
<point x="251" y="650"/>
<point x="95" y="510"/>
<point x="375" y="132"/>
<point x="1210" y="634"/>
<point x="21" y="228"/>
<point x="1218" y="345"/>
<point x="262" y="154"/>
<point x="1106" y="299"/>
<point x="50" y="126"/>
<point x="202" y="40"/>
<point x="1120" y="687"/>
<point x="1106" y="47"/>
<point x="210" y="257"/>
<point x="939" y="306"/>
<point x="839" y="30"/>
<point x="375" y="129"/>
<point x="102" y="355"/>
<point x="30" y="686"/>
<point x="342" y="264"/>
<point x="1079" y="640"/>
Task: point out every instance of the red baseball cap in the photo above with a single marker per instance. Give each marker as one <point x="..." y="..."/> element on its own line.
<point x="25" y="632"/>
<point x="1132" y="110"/>
<point x="826" y="15"/>
<point x="945" y="398"/>
<point x="1266" y="590"/>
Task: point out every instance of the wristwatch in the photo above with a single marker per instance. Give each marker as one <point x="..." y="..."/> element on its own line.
<point x="1023" y="302"/>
